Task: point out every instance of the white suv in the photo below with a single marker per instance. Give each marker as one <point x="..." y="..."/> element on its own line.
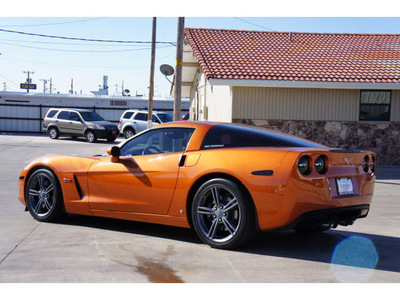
<point x="134" y="121"/>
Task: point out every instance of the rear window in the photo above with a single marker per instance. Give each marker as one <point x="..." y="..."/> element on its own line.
<point x="63" y="115"/>
<point x="165" y="118"/>
<point x="229" y="136"/>
<point x="141" y="117"/>
<point x="127" y="115"/>
<point x="51" y="113"/>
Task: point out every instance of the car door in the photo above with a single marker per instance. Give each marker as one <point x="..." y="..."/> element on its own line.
<point x="144" y="178"/>
<point x="63" y="121"/>
<point x="141" y="121"/>
<point x="76" y="126"/>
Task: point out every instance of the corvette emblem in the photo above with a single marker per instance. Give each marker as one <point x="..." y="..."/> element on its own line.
<point x="348" y="160"/>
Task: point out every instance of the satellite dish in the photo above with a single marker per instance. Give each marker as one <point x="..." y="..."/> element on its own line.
<point x="167" y="70"/>
<point x="127" y="91"/>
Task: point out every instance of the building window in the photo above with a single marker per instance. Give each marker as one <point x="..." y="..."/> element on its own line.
<point x="375" y="105"/>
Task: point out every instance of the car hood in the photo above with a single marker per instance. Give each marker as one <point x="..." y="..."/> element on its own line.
<point x="102" y="123"/>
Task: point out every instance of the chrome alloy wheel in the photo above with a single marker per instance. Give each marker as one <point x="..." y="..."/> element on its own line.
<point x="90" y="136"/>
<point x="41" y="196"/>
<point x="218" y="213"/>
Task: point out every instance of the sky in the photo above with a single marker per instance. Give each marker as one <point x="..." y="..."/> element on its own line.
<point x="128" y="64"/>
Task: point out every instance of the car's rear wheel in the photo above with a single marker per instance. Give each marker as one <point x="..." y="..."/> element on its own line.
<point x="222" y="215"/>
<point x="53" y="133"/>
<point x="128" y="133"/>
<point x="43" y="196"/>
<point x="90" y="136"/>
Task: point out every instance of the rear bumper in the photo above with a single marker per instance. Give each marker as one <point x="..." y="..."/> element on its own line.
<point x="330" y="218"/>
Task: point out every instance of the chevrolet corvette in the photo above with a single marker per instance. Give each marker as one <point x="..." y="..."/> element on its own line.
<point x="223" y="180"/>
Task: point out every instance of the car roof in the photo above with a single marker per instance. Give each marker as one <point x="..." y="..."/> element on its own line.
<point x="145" y="111"/>
<point x="73" y="109"/>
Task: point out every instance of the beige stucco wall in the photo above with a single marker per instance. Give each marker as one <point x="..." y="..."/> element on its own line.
<point x="210" y="103"/>
<point x="295" y="104"/>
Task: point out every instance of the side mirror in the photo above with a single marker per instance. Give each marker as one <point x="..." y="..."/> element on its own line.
<point x="115" y="153"/>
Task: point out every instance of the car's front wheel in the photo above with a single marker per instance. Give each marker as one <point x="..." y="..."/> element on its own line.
<point x="90" y="136"/>
<point x="222" y="214"/>
<point x="43" y="196"/>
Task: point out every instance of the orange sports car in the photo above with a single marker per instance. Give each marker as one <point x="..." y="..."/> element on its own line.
<point x="226" y="181"/>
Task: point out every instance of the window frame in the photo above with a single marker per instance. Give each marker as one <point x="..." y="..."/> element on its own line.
<point x="153" y="132"/>
<point x="377" y="105"/>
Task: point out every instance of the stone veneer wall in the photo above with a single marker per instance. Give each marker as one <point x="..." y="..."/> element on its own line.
<point x="381" y="138"/>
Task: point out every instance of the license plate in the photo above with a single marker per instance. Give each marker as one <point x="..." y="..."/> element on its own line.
<point x="114" y="132"/>
<point x="345" y="186"/>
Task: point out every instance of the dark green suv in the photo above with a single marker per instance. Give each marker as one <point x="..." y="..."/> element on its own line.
<point x="78" y="122"/>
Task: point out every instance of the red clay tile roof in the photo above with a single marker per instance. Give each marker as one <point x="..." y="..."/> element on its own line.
<point x="324" y="57"/>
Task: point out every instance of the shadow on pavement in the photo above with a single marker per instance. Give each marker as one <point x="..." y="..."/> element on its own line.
<point x="366" y="250"/>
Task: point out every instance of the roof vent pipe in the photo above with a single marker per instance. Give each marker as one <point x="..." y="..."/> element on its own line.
<point x="290" y="36"/>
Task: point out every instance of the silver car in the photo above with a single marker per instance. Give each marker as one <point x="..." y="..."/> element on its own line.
<point x="78" y="122"/>
<point x="134" y="121"/>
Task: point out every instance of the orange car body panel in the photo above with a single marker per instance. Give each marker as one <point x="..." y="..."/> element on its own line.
<point x="154" y="188"/>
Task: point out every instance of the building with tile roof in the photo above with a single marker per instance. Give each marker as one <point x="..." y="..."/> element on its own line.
<point x="346" y="84"/>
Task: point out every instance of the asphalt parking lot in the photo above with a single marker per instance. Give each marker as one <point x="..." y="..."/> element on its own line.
<point x="88" y="249"/>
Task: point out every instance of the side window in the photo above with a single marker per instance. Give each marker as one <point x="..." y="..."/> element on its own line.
<point x="228" y="136"/>
<point x="73" y="116"/>
<point x="141" y="117"/>
<point x="51" y="113"/>
<point x="155" y="119"/>
<point x="164" y="140"/>
<point x="127" y="115"/>
<point x="63" y="115"/>
<point x="375" y="105"/>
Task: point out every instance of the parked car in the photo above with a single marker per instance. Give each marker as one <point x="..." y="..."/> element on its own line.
<point x="134" y="121"/>
<point x="226" y="181"/>
<point x="185" y="117"/>
<point x="78" y="122"/>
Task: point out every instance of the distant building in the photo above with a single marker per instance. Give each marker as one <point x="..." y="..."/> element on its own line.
<point x="24" y="112"/>
<point x="104" y="90"/>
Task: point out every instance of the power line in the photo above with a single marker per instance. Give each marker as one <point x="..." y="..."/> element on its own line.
<point x="64" y="43"/>
<point x="81" y="39"/>
<point x="254" y="24"/>
<point x="51" y="24"/>
<point x="84" y="51"/>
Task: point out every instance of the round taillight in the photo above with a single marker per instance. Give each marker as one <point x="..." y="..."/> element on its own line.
<point x="364" y="163"/>
<point x="320" y="164"/>
<point x="304" y="165"/>
<point x="372" y="164"/>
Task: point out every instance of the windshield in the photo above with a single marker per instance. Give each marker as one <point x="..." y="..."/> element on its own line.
<point x="91" y="116"/>
<point x="165" y="118"/>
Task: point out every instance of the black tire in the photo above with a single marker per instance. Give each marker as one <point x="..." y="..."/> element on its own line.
<point x="53" y="133"/>
<point x="43" y="196"/>
<point x="90" y="136"/>
<point x="128" y="133"/>
<point x="222" y="214"/>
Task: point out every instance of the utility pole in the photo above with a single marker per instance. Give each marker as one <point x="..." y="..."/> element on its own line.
<point x="44" y="84"/>
<point x="28" y="80"/>
<point x="153" y="57"/>
<point x="71" y="91"/>
<point x="51" y="84"/>
<point x="178" y="70"/>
